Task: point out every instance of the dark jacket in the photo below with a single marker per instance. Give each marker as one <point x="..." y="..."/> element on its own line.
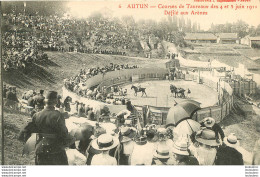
<point x="50" y="150"/>
<point x="217" y="129"/>
<point x="228" y="156"/>
<point x="4" y="92"/>
<point x="31" y="102"/>
<point x="189" y="160"/>
<point x="11" y="96"/>
<point x="39" y="101"/>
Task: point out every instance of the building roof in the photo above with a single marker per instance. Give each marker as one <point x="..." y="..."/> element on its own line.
<point x="227" y="35"/>
<point x="200" y="36"/>
<point x="256" y="38"/>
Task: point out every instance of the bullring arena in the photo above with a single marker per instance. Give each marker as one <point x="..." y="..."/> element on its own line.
<point x="218" y="94"/>
<point x="158" y="93"/>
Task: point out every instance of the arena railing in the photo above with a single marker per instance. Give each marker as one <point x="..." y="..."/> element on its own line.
<point x="219" y="111"/>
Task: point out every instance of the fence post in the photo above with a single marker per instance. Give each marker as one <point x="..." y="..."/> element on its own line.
<point x="144" y="110"/>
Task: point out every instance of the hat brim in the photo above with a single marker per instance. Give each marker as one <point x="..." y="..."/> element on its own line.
<point x="95" y="145"/>
<point x="128" y="137"/>
<point x="161" y="156"/>
<point x="213" y="121"/>
<point x="207" y="142"/>
<point x="229" y="144"/>
<point x="177" y="151"/>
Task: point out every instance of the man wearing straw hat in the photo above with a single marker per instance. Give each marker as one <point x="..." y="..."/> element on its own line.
<point x="206" y="150"/>
<point x="210" y="123"/>
<point x="104" y="143"/>
<point x="227" y="154"/>
<point x="52" y="134"/>
<point x="125" y="148"/>
<point x="161" y="155"/>
<point x="182" y="154"/>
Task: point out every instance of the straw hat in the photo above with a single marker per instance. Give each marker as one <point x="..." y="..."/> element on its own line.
<point x="127" y="134"/>
<point x="105" y="142"/>
<point x="162" y="152"/>
<point x="209" y="122"/>
<point x="207" y="137"/>
<point x="231" y="141"/>
<point x="180" y="147"/>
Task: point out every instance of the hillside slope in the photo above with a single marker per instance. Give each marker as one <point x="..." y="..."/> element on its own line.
<point x="49" y="75"/>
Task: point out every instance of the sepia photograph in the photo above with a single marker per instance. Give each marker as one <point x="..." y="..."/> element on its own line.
<point x="130" y="83"/>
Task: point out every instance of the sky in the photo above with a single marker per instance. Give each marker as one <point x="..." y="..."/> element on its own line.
<point x="216" y="16"/>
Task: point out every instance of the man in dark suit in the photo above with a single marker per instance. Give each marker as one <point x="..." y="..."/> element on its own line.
<point x="227" y="154"/>
<point x="52" y="134"/>
<point x="31" y="102"/>
<point x="39" y="101"/>
<point x="11" y="98"/>
<point x="210" y="123"/>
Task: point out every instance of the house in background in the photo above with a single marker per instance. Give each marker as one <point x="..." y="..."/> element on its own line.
<point x="227" y="38"/>
<point x="253" y="42"/>
<point x="200" y="37"/>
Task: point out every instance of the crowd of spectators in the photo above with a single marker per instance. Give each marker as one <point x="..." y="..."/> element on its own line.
<point x="77" y="83"/>
<point x="26" y="37"/>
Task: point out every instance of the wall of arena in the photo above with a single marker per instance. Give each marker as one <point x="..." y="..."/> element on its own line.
<point x="124" y="76"/>
<point x="219" y="111"/>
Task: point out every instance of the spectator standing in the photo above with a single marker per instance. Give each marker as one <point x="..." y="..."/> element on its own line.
<point x="181" y="154"/>
<point x="52" y="133"/>
<point x="39" y="101"/>
<point x="210" y="123"/>
<point x="161" y="155"/>
<point x="104" y="143"/>
<point x="206" y="150"/>
<point x="125" y="148"/>
<point x="227" y="154"/>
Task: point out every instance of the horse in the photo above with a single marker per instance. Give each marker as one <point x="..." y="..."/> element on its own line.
<point x="177" y="91"/>
<point x="181" y="92"/>
<point x="173" y="90"/>
<point x="138" y="90"/>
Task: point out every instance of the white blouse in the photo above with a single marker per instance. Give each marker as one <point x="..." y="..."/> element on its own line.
<point x="103" y="159"/>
